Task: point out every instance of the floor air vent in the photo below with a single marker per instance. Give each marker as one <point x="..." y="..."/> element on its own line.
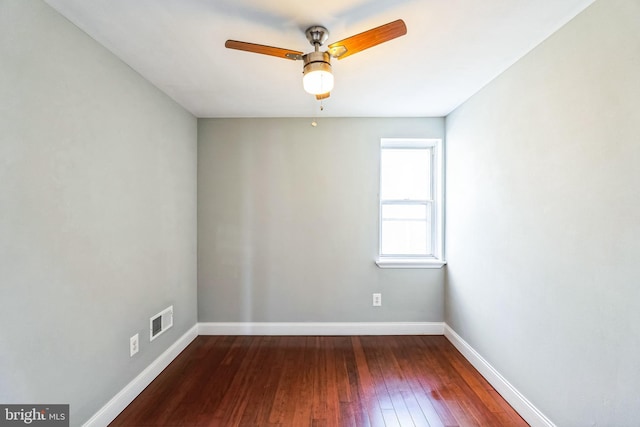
<point x="160" y="322"/>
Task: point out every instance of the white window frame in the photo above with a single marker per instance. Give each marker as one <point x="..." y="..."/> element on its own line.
<point x="436" y="260"/>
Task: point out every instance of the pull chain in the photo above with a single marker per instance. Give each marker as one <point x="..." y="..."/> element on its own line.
<point x="314" y="123"/>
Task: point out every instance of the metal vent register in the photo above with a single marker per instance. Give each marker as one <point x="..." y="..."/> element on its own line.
<point x="160" y="322"/>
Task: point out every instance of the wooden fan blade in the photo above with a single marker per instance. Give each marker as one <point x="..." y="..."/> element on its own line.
<point x="373" y="37"/>
<point x="323" y="96"/>
<point x="265" y="50"/>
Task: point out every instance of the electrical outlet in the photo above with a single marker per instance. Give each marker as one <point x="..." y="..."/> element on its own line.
<point x="133" y="345"/>
<point x="377" y="300"/>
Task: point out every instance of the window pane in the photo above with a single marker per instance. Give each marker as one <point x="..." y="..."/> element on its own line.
<point x="405" y="173"/>
<point x="405" y="238"/>
<point x="404" y="211"/>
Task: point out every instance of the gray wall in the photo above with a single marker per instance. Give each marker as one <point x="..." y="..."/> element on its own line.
<point x="543" y="224"/>
<point x="97" y="214"/>
<point x="287" y="223"/>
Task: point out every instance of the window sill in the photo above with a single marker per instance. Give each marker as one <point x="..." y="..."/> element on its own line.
<point x="410" y="263"/>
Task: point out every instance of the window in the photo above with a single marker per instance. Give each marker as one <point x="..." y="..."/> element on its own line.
<point x="411" y="225"/>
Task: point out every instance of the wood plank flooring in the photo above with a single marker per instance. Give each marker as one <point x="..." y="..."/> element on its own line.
<point x="417" y="381"/>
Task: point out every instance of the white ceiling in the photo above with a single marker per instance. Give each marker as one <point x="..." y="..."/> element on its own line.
<point x="451" y="50"/>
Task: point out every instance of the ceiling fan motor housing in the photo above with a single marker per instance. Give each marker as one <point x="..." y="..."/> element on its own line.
<point x="317" y="61"/>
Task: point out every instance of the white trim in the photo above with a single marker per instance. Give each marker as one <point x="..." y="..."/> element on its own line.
<point x="121" y="400"/>
<point x="530" y="413"/>
<point x="391" y="262"/>
<point x="409" y="142"/>
<point x="321" y="328"/>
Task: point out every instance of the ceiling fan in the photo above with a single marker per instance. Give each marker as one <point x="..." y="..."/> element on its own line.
<point x="317" y="77"/>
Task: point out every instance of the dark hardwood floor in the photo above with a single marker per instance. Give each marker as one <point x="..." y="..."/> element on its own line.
<point x="319" y="381"/>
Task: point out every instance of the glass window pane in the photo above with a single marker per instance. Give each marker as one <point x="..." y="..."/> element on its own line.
<point x="405" y="173"/>
<point x="404" y="211"/>
<point x="405" y="238"/>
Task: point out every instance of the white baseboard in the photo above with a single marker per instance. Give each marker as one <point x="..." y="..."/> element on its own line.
<point x="321" y="328"/>
<point x="530" y="413"/>
<point x="121" y="400"/>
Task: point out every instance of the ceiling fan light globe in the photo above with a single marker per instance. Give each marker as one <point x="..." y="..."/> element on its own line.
<point x="317" y="77"/>
<point x="317" y="82"/>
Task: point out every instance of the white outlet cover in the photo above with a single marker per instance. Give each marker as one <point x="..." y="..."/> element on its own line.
<point x="134" y="345"/>
<point x="377" y="300"/>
